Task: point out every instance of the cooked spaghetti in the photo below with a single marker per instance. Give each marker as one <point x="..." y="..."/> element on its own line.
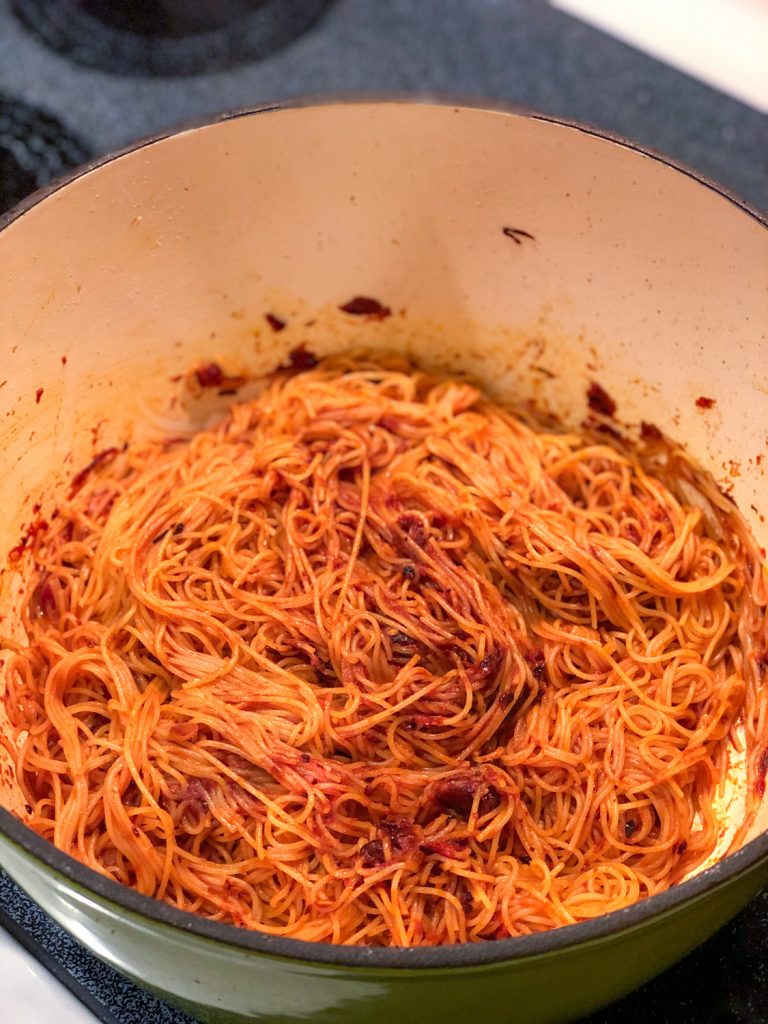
<point x="376" y="661"/>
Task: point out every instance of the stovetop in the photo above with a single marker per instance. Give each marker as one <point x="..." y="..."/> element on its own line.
<point x="74" y="85"/>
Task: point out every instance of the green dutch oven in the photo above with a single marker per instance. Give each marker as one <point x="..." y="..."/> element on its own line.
<point x="506" y="242"/>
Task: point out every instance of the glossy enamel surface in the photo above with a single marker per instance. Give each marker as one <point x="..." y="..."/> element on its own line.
<point x="634" y="274"/>
<point x="220" y="982"/>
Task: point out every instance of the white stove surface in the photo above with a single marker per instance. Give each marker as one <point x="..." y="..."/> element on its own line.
<point x="31" y="995"/>
<point x="722" y="42"/>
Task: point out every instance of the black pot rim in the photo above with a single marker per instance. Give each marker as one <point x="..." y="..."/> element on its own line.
<point x="439" y="957"/>
<point x="468" y="103"/>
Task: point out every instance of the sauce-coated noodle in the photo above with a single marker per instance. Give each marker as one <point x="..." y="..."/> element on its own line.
<point x="376" y="661"/>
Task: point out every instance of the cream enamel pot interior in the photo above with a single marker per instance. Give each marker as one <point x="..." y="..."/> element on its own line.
<point x="536" y="254"/>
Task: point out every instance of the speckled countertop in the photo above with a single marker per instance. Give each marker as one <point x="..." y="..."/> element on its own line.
<point x="514" y="51"/>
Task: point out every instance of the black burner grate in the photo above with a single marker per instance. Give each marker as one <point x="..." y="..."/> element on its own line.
<point x="174" y="37"/>
<point x="34" y="148"/>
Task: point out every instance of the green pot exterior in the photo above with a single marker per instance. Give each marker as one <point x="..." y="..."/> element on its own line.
<point x="221" y="983"/>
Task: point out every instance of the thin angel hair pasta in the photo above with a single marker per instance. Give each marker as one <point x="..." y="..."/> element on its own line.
<point x="376" y="660"/>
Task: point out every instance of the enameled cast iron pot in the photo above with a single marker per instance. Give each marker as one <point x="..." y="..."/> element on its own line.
<point x="537" y="254"/>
